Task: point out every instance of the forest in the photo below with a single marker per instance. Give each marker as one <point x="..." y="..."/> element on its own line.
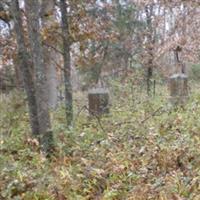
<point x="99" y="99"/>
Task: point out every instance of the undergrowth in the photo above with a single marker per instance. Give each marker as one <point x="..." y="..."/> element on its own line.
<point x="144" y="149"/>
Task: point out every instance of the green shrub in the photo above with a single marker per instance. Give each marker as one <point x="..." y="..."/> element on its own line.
<point x="195" y="72"/>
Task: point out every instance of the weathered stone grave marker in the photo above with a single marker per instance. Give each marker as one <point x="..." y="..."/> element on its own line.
<point x="178" y="85"/>
<point x="98" y="99"/>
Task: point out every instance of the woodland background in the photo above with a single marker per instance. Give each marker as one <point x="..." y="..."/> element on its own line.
<point x="52" y="53"/>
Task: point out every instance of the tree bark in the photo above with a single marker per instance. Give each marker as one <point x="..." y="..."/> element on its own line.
<point x="32" y="11"/>
<point x="25" y="63"/>
<point x="18" y="73"/>
<point x="67" y="63"/>
<point x="150" y="43"/>
<point x="48" y="19"/>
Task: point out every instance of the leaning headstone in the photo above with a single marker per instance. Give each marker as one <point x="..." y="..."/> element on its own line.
<point x="98" y="99"/>
<point x="178" y="85"/>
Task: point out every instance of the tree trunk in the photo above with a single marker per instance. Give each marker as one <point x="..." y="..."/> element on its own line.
<point x="149" y="79"/>
<point x="150" y="44"/>
<point x="25" y="63"/>
<point x="67" y="63"/>
<point x="32" y="10"/>
<point x="18" y="73"/>
<point x="48" y="18"/>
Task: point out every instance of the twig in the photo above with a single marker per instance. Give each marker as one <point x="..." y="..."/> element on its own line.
<point x="126" y="122"/>
<point x="79" y="112"/>
<point x="144" y="120"/>
<point x="52" y="47"/>
<point x="152" y="114"/>
<point x="97" y="117"/>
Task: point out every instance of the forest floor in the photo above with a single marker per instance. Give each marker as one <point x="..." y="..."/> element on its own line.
<point x="143" y="150"/>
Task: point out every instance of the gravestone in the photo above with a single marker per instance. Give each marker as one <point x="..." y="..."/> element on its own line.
<point x="98" y="100"/>
<point x="178" y="85"/>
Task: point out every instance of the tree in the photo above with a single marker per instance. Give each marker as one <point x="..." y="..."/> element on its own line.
<point x="32" y="12"/>
<point x="50" y="56"/>
<point x="25" y="65"/>
<point x="67" y="62"/>
<point x="112" y="46"/>
<point x="150" y="35"/>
